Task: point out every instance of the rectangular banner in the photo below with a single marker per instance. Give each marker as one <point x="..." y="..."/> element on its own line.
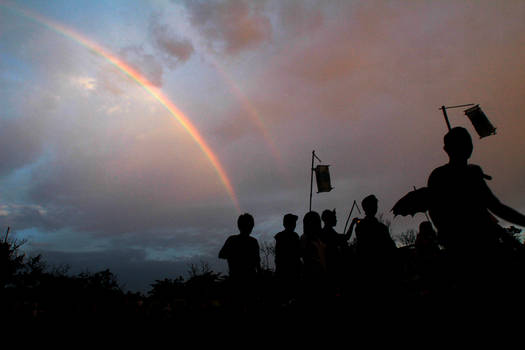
<point x="322" y="176"/>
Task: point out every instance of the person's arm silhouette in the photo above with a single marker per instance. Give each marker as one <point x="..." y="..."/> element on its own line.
<point x="348" y="234"/>
<point x="501" y="210"/>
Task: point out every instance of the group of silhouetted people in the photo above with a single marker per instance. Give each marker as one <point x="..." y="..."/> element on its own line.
<point x="320" y="263"/>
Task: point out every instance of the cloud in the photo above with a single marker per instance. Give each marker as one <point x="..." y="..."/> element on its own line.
<point x="145" y="63"/>
<point x="298" y="18"/>
<point x="175" y="49"/>
<point x="20" y="143"/>
<point x="83" y="82"/>
<point x="100" y="163"/>
<point x="236" y="25"/>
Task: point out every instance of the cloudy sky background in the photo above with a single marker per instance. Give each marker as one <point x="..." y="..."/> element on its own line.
<point x="95" y="173"/>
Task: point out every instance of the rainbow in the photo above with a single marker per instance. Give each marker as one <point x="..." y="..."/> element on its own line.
<point x="249" y="108"/>
<point x="142" y="81"/>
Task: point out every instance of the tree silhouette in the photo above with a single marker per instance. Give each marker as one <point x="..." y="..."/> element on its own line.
<point x="407" y="237"/>
<point x="268" y="255"/>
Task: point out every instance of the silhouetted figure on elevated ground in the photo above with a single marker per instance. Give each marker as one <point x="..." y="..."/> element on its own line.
<point x="336" y="250"/>
<point x="244" y="262"/>
<point x="460" y="208"/>
<point x="377" y="265"/>
<point x="288" y="258"/>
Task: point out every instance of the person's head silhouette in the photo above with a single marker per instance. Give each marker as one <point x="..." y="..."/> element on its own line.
<point x="329" y="218"/>
<point x="312" y="224"/>
<point x="369" y="205"/>
<point x="245" y="224"/>
<point x="290" y="222"/>
<point x="458" y="145"/>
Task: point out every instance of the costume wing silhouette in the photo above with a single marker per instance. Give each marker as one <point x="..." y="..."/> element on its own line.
<point x="413" y="202"/>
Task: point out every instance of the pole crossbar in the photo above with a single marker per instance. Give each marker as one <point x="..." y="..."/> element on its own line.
<point x="444" y="109"/>
<point x="458" y="106"/>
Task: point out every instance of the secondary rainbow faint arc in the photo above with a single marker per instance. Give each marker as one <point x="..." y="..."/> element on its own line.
<point x="145" y="83"/>
<point x="248" y="107"/>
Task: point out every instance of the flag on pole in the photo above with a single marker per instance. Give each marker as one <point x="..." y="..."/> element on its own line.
<point x="480" y="121"/>
<point x="322" y="176"/>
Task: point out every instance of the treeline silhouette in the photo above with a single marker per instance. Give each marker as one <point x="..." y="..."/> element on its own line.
<point x="31" y="290"/>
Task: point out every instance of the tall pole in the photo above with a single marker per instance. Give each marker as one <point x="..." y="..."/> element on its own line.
<point x="350" y="214"/>
<point x="311" y="179"/>
<point x="444" y="109"/>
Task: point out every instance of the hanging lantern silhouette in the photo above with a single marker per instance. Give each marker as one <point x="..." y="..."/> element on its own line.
<point x="322" y="175"/>
<point x="480" y="121"/>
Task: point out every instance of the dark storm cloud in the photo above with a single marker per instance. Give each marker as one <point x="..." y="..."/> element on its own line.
<point x="27" y="216"/>
<point x="176" y="50"/>
<point x="238" y="25"/>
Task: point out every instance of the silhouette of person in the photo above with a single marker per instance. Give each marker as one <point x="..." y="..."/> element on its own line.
<point x="313" y="255"/>
<point x="288" y="257"/>
<point x="426" y="258"/>
<point x="372" y="237"/>
<point x="244" y="264"/>
<point x="336" y="245"/>
<point x="426" y="240"/>
<point x="242" y="251"/>
<point x="375" y="251"/>
<point x="461" y="199"/>
<point x="461" y="207"/>
<point x="288" y="249"/>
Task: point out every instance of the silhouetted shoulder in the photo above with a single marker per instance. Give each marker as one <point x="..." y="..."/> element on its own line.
<point x="226" y="249"/>
<point x="280" y="235"/>
<point x="467" y="181"/>
<point x="284" y="235"/>
<point x="437" y="174"/>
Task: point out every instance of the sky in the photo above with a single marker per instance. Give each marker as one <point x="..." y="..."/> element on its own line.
<point x="133" y="133"/>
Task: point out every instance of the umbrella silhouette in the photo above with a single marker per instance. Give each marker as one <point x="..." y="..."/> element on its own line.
<point x="417" y="201"/>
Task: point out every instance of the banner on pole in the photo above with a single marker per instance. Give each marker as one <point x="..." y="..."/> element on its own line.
<point x="480" y="121"/>
<point x="322" y="176"/>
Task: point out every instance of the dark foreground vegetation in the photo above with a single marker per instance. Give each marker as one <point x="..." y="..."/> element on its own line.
<point x="31" y="291"/>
